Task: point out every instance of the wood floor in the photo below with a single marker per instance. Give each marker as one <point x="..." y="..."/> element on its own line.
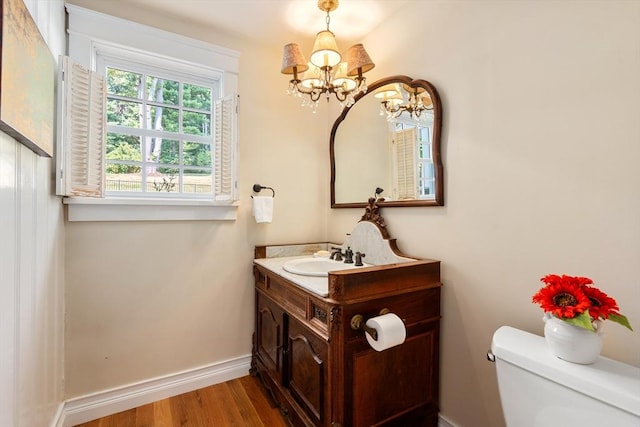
<point x="240" y="403"/>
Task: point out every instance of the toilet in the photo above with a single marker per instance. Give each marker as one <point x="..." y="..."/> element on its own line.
<point x="537" y="389"/>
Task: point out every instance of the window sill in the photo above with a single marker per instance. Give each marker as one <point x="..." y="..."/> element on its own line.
<point x="94" y="209"/>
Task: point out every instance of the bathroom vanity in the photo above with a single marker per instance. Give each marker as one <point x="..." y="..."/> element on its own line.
<point x="321" y="371"/>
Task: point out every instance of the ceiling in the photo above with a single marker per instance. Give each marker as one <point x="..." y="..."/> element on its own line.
<point x="277" y="21"/>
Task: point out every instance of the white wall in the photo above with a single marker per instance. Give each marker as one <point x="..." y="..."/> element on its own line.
<point x="541" y="145"/>
<point x="31" y="268"/>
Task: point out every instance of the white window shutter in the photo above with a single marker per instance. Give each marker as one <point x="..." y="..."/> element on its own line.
<point x="225" y="147"/>
<point x="405" y="146"/>
<point x="81" y="131"/>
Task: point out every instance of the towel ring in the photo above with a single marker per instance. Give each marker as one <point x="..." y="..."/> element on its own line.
<point x="257" y="188"/>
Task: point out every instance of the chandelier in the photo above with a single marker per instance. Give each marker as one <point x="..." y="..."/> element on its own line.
<point x="326" y="72"/>
<point x="393" y="102"/>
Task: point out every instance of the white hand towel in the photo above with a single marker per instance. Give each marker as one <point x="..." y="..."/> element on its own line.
<point x="263" y="208"/>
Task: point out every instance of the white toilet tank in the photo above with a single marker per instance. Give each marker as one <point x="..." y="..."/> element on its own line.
<point x="539" y="390"/>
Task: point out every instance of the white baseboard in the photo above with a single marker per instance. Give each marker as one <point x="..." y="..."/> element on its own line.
<point x="96" y="405"/>
<point x="443" y="422"/>
<point x="58" y="418"/>
<point x="101" y="404"/>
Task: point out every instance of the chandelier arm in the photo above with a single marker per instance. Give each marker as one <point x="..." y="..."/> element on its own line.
<point x="391" y="108"/>
<point x="340" y="94"/>
<point x="301" y="88"/>
<point x="315" y="94"/>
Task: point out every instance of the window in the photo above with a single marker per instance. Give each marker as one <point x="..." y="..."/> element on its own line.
<point x="159" y="132"/>
<point x="166" y="135"/>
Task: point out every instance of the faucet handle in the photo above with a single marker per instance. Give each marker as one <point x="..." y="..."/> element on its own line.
<point x="348" y="255"/>
<point x="359" y="256"/>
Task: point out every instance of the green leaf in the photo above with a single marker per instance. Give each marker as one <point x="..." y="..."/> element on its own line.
<point x="582" y="320"/>
<point x="619" y="318"/>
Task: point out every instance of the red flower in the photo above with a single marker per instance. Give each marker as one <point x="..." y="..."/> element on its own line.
<point x="563" y="298"/>
<point x="554" y="279"/>
<point x="570" y="298"/>
<point x="602" y="305"/>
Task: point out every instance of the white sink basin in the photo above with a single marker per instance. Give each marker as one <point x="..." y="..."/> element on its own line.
<point x="319" y="267"/>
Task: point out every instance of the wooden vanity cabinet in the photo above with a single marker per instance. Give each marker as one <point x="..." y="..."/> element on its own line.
<point x="290" y="352"/>
<point x="321" y="372"/>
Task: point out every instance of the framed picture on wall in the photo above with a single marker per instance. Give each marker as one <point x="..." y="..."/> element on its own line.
<point x="27" y="80"/>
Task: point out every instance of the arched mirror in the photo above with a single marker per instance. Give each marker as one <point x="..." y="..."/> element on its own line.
<point x="389" y="140"/>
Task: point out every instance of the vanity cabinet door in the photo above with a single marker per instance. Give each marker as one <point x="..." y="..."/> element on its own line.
<point x="269" y="334"/>
<point x="306" y="370"/>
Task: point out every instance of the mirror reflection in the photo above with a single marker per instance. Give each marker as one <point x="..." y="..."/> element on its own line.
<point x="389" y="140"/>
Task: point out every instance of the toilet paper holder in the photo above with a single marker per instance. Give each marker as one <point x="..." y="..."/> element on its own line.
<point x="358" y="322"/>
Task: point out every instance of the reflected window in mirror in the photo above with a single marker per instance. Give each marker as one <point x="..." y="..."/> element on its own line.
<point x="390" y="138"/>
<point x="412" y="160"/>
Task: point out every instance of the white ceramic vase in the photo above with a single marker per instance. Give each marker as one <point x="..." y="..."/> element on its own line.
<point x="573" y="343"/>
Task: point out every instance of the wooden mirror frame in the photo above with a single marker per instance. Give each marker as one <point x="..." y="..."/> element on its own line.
<point x="436" y="146"/>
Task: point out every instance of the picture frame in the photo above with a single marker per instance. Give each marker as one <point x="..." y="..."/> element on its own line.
<point x="27" y="80"/>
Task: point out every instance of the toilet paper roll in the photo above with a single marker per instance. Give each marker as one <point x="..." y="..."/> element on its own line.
<point x="391" y="331"/>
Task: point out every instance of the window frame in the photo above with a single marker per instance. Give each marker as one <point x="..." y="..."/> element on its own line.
<point x="93" y="35"/>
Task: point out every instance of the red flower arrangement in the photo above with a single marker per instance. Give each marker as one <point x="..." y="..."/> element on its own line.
<point x="575" y="301"/>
